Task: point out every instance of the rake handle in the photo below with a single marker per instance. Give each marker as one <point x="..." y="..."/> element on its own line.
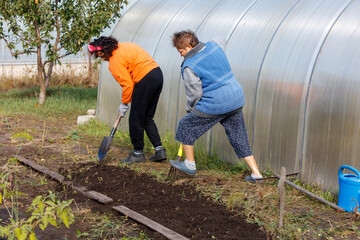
<point x="180" y="152"/>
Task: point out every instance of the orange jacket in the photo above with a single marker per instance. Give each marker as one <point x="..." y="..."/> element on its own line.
<point x="128" y="64"/>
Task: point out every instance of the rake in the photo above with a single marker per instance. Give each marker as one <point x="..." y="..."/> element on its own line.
<point x="171" y="177"/>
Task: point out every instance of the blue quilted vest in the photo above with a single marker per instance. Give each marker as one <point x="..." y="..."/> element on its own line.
<point x="222" y="93"/>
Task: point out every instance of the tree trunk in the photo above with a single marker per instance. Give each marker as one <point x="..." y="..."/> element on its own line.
<point x="42" y="94"/>
<point x="41" y="78"/>
<point x="47" y="73"/>
<point x="40" y="68"/>
<point x="44" y="82"/>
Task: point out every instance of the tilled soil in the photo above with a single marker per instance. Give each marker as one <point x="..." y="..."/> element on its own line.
<point x="178" y="207"/>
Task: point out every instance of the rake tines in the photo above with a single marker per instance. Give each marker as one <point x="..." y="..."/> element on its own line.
<point x="172" y="175"/>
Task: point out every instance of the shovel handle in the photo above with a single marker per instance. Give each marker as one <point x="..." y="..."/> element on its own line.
<point x="117" y="121"/>
<point x="113" y="130"/>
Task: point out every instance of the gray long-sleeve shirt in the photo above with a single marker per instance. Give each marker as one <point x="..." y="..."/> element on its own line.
<point x="192" y="83"/>
<point x="193" y="88"/>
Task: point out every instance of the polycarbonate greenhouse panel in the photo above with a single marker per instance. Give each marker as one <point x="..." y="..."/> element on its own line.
<point x="284" y="79"/>
<point x="130" y="23"/>
<point x="332" y="129"/>
<point x="249" y="43"/>
<point x="109" y="97"/>
<point x="153" y="28"/>
<point x="246" y="49"/>
<point x="190" y="16"/>
<point x="222" y="20"/>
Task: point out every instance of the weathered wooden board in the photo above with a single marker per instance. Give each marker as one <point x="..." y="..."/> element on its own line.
<point x="105" y="200"/>
<point x="95" y="195"/>
<point x="169" y="234"/>
<point x="41" y="169"/>
<point x="56" y="176"/>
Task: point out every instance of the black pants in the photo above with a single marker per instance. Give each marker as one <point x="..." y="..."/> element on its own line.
<point x="143" y="106"/>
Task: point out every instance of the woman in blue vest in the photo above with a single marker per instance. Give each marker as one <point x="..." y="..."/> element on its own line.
<point x="213" y="95"/>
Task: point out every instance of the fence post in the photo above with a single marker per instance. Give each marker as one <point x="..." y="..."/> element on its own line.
<point x="282" y="196"/>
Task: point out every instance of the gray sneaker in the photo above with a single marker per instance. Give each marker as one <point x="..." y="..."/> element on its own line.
<point x="159" y="155"/>
<point x="180" y="165"/>
<point x="254" y="179"/>
<point x="134" y="158"/>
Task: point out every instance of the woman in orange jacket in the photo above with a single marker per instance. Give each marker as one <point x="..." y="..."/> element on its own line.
<point x="141" y="80"/>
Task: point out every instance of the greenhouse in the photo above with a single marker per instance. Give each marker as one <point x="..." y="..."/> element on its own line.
<point x="297" y="60"/>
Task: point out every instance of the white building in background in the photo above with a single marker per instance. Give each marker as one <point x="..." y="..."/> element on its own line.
<point x="26" y="65"/>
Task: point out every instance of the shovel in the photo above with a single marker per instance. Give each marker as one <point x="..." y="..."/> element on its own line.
<point x="106" y="142"/>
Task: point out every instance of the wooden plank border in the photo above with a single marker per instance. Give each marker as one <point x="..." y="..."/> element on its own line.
<point x="61" y="179"/>
<point x="169" y="234"/>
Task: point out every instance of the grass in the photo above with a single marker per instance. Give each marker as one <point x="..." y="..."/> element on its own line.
<point x="204" y="161"/>
<point x="108" y="226"/>
<point x="61" y="102"/>
<point x="259" y="203"/>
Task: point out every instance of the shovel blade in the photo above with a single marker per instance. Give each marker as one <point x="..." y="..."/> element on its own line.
<point x="104" y="147"/>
